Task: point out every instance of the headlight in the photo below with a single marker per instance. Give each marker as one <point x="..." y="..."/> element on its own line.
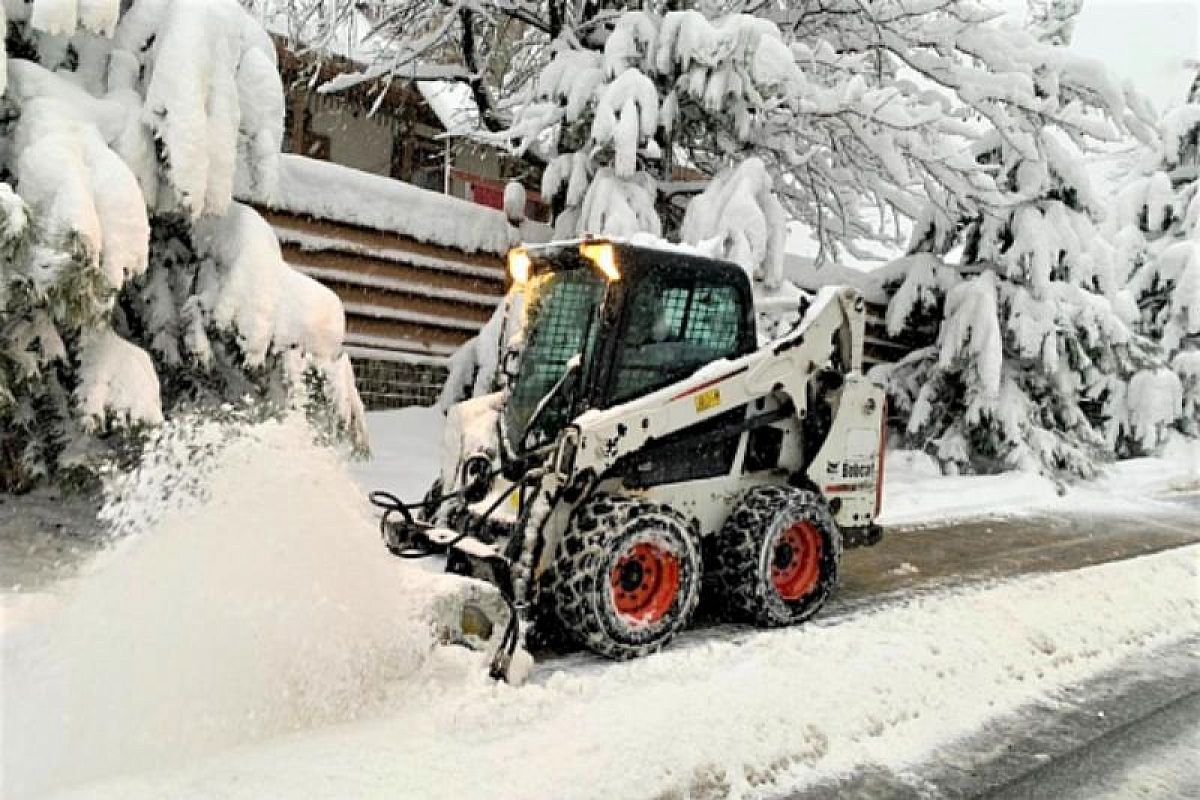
<point x="519" y="265"/>
<point x="604" y="256"/>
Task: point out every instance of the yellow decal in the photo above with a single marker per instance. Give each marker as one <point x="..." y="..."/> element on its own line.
<point x="514" y="500"/>
<point x="708" y="399"/>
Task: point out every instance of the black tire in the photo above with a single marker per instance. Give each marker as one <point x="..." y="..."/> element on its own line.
<point x="748" y="560"/>
<point x="607" y="541"/>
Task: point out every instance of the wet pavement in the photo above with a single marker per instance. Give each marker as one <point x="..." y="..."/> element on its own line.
<point x="44" y="537"/>
<point x="916" y="558"/>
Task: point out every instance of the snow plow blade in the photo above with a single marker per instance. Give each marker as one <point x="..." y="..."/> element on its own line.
<point x="471" y="613"/>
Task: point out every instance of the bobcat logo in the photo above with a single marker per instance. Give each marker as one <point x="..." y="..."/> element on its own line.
<point x="858" y="470"/>
<point x="833" y="468"/>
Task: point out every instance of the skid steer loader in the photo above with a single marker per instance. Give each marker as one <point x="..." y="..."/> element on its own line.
<point x="647" y="451"/>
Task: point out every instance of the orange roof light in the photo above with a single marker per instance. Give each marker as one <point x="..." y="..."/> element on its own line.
<point x="603" y="256"/>
<point x="519" y="265"/>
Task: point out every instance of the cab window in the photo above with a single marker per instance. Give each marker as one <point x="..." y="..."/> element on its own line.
<point x="675" y="324"/>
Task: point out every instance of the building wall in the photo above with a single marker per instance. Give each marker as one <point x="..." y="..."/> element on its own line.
<point x="409" y="304"/>
<point x="355" y="140"/>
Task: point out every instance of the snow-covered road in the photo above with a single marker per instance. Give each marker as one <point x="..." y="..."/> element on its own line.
<point x="262" y="644"/>
<point x="768" y="713"/>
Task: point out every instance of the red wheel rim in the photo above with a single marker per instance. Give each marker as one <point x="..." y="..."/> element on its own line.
<point x="644" y="583"/>
<point x="796" y="560"/>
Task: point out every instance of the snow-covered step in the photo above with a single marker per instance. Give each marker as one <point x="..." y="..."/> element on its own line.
<point x="298" y="234"/>
<point x="406" y="332"/>
<point x="388" y="283"/>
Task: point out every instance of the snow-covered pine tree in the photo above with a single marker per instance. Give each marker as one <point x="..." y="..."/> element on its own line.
<point x="1156" y="223"/>
<point x="132" y="282"/>
<point x="862" y="113"/>
<point x="1032" y="359"/>
<point x="1053" y="21"/>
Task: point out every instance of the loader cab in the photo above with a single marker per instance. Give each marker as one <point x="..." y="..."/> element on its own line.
<point x="608" y="322"/>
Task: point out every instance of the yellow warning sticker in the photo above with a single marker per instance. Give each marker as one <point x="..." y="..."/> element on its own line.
<point x="708" y="399"/>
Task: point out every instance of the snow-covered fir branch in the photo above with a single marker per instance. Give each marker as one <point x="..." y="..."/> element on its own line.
<point x="133" y="284"/>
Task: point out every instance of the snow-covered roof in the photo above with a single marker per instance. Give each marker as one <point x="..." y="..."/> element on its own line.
<point x="453" y="104"/>
<point x="341" y="194"/>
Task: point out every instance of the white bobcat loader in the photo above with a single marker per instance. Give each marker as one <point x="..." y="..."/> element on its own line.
<point x="647" y="451"/>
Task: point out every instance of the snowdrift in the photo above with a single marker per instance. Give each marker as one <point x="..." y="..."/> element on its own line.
<point x="247" y="596"/>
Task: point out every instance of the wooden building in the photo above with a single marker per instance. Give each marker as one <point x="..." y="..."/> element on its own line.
<point x="384" y="201"/>
<point x="418" y="272"/>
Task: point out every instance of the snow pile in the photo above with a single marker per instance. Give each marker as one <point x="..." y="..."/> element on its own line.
<point x="1155" y="401"/>
<point x="739" y="210"/>
<point x="738" y="217"/>
<point x="255" y="601"/>
<point x="262" y="298"/>
<point x="331" y="191"/>
<point x="212" y="98"/>
<point x="65" y="168"/>
<point x="604" y="112"/>
<point x="453" y="104"/>
<point x="897" y="684"/>
<point x="915" y="492"/>
<point x="117" y="375"/>
<point x="806" y="273"/>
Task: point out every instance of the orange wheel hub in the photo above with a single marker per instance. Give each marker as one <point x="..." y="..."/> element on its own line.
<point x="796" y="562"/>
<point x="644" y="583"/>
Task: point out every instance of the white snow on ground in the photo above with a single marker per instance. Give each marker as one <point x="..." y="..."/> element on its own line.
<point x="405" y="451"/>
<point x="916" y="493"/>
<point x="260" y="642"/>
<point x="777" y="710"/>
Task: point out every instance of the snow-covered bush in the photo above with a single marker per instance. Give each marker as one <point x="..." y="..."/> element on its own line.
<point x="132" y="284"/>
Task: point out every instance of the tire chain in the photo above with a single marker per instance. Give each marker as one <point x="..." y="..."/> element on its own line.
<point x="572" y="583"/>
<point x="734" y="585"/>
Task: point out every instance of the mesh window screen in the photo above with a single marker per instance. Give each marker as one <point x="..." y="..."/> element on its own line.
<point x="675" y="327"/>
<point x="560" y="309"/>
<point x="715" y="319"/>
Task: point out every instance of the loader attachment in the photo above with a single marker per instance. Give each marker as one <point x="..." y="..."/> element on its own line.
<point x="474" y="607"/>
